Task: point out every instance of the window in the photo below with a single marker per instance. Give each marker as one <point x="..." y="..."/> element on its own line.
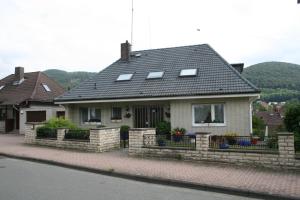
<point x="124" y="77"/>
<point x="60" y="114"/>
<point x="188" y="72"/>
<point x="204" y="114"/>
<point x="46" y="87"/>
<point x="35" y="116"/>
<point x="1" y="87"/>
<point x="153" y="75"/>
<point x="90" y="114"/>
<point x="116" y="113"/>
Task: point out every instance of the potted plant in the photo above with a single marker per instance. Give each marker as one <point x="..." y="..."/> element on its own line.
<point x="231" y="137"/>
<point x="254" y="140"/>
<point x="161" y="142"/>
<point x="177" y="134"/>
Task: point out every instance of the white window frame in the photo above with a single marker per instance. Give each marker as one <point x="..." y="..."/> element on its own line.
<point x="185" y="72"/>
<point x="1" y="87"/>
<point x="124" y="77"/>
<point x="155" y="75"/>
<point x="212" y="107"/>
<point x="46" y="87"/>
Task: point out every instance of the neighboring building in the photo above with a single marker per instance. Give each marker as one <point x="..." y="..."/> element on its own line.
<point x="193" y="87"/>
<point x="27" y="97"/>
<point x="273" y="120"/>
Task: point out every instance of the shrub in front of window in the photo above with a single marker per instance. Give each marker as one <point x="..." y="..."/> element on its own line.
<point x="46" y="132"/>
<point x="78" y="134"/>
<point x="59" y="123"/>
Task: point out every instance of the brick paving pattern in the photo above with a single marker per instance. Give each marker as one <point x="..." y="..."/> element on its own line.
<point x="286" y="183"/>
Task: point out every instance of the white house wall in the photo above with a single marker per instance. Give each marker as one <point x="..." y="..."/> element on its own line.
<point x="50" y="113"/>
<point x="237" y="114"/>
<point x="237" y="117"/>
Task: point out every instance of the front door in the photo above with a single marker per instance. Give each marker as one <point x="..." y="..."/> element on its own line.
<point x="148" y="116"/>
<point x="17" y="119"/>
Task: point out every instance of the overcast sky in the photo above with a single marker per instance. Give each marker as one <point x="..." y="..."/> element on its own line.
<point x="85" y="35"/>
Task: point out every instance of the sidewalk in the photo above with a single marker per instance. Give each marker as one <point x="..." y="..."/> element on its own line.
<point x="206" y="175"/>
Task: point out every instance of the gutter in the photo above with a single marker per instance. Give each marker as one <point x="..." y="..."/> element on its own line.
<point x="251" y="95"/>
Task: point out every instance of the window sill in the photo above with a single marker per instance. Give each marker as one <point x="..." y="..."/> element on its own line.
<point x="116" y="120"/>
<point x="209" y="125"/>
<point x="92" y="123"/>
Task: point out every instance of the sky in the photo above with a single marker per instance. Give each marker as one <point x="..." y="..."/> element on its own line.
<point x="85" y="35"/>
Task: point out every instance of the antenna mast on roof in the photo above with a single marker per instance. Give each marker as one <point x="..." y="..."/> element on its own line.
<point x="131" y="23"/>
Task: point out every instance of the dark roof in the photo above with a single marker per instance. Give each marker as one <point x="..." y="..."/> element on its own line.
<point x="270" y="118"/>
<point x="214" y="76"/>
<point x="31" y="89"/>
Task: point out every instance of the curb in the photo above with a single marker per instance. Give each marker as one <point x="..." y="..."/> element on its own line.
<point x="161" y="181"/>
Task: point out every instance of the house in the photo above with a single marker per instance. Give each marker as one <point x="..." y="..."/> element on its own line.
<point x="273" y="120"/>
<point x="193" y="87"/>
<point x="27" y="97"/>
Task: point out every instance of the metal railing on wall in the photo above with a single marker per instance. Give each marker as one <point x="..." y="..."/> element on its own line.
<point x="243" y="142"/>
<point x="163" y="141"/>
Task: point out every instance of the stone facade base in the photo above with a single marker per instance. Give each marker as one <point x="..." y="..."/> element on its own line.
<point x="101" y="140"/>
<point x="284" y="157"/>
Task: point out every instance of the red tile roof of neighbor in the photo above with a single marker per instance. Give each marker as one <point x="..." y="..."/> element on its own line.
<point x="31" y="89"/>
<point x="270" y="118"/>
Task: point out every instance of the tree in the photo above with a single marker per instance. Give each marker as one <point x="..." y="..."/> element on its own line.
<point x="258" y="126"/>
<point x="292" y="117"/>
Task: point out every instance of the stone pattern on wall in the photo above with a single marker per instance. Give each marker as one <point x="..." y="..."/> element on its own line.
<point x="2" y="126"/>
<point x="283" y="158"/>
<point x="101" y="140"/>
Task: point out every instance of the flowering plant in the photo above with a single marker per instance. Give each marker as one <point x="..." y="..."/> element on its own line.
<point x="178" y="131"/>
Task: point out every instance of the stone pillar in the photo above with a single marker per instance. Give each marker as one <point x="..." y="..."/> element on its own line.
<point x="136" y="139"/>
<point x="202" y="141"/>
<point x="60" y="136"/>
<point x="109" y="139"/>
<point x="94" y="140"/>
<point x="286" y="145"/>
<point x="30" y="132"/>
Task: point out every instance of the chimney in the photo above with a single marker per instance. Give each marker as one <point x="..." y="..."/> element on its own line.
<point x="125" y="51"/>
<point x="19" y="73"/>
<point x="238" y="67"/>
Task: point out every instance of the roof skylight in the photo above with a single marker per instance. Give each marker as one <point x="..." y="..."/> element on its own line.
<point x="1" y="87"/>
<point x="124" y="77"/>
<point x="46" y="87"/>
<point x="153" y="75"/>
<point x="188" y="72"/>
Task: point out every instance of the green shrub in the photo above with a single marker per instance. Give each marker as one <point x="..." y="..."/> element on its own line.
<point x="46" y="132"/>
<point x="124" y="132"/>
<point x="163" y="128"/>
<point x="60" y="123"/>
<point x="78" y="134"/>
<point x="124" y="129"/>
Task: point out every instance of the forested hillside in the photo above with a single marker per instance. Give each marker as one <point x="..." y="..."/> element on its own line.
<point x="68" y="79"/>
<point x="279" y="81"/>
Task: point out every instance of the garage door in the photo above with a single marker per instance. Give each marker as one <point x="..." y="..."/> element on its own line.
<point x="36" y="116"/>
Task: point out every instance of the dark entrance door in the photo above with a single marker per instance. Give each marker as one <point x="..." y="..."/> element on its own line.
<point x="9" y="125"/>
<point x="148" y="116"/>
<point x="17" y="119"/>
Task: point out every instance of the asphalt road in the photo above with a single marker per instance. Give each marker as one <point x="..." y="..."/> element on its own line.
<point x="23" y="180"/>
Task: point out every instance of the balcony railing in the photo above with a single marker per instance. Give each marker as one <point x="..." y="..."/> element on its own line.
<point x="163" y="141"/>
<point x="243" y="142"/>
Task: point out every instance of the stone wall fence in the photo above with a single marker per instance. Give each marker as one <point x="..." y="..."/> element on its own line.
<point x="100" y="140"/>
<point x="284" y="157"/>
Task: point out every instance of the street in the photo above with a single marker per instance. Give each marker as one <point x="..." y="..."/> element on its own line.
<point x="24" y="180"/>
